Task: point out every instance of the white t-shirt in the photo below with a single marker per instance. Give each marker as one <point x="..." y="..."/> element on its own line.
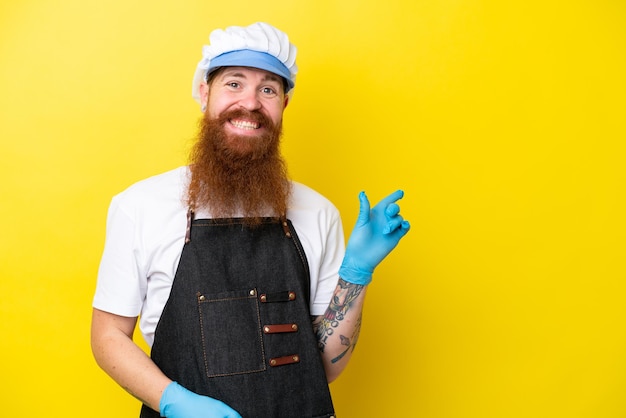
<point x="145" y="235"/>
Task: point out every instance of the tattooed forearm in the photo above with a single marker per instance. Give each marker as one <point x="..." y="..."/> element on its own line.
<point x="340" y="305"/>
<point x="350" y="344"/>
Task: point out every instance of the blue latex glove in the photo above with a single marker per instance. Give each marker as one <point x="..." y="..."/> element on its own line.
<point x="375" y="234"/>
<point x="178" y="402"/>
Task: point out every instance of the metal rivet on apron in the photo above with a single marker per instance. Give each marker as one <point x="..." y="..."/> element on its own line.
<point x="201" y="297"/>
<point x="263" y="298"/>
<point x="296" y="358"/>
<point x="292" y="295"/>
<point x="286" y="229"/>
<point x="266" y="329"/>
<point x="273" y="362"/>
<point x="252" y="292"/>
<point x="294" y="327"/>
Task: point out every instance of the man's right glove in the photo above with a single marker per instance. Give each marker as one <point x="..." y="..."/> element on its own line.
<point x="178" y="402"/>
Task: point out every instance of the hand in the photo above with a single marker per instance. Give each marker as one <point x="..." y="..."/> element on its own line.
<point x="178" y="402"/>
<point x="375" y="234"/>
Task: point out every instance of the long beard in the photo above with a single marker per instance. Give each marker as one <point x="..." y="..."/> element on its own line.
<point x="238" y="176"/>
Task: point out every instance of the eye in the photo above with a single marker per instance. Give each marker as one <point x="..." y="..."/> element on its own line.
<point x="269" y="91"/>
<point x="233" y="84"/>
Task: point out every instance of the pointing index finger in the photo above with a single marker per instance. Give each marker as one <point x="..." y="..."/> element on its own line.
<point x="393" y="197"/>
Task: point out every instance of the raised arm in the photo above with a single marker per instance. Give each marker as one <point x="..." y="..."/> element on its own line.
<point x="375" y="235"/>
<point x="338" y="329"/>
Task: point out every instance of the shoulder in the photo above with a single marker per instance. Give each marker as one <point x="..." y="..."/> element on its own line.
<point x="305" y="198"/>
<point x="311" y="211"/>
<point x="172" y="180"/>
<point x="159" y="191"/>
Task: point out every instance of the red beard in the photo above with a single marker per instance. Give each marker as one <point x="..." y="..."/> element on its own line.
<point x="238" y="175"/>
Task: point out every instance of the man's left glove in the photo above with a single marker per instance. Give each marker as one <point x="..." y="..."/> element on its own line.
<point x="375" y="235"/>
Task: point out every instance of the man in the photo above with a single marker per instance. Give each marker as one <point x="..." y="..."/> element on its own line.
<point x="227" y="261"/>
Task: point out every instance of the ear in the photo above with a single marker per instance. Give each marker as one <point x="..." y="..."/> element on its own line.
<point x="286" y="102"/>
<point x="204" y="93"/>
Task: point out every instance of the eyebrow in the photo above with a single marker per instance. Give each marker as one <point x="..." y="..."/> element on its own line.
<point x="267" y="77"/>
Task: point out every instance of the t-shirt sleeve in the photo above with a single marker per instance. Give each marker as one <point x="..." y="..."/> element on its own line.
<point x="120" y="289"/>
<point x="332" y="257"/>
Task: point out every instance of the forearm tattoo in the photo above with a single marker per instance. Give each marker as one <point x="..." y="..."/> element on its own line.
<point x="325" y="326"/>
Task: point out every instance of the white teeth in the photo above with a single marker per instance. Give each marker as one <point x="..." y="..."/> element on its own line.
<point x="242" y="124"/>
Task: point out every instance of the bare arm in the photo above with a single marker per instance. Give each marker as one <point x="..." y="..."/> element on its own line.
<point x="338" y="329"/>
<point x="117" y="354"/>
<point x="375" y="235"/>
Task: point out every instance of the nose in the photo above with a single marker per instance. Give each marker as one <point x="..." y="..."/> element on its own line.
<point x="250" y="100"/>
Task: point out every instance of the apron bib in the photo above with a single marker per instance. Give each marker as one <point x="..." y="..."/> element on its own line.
<point x="236" y="326"/>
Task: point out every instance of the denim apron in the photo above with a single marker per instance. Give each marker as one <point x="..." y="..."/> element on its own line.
<point x="236" y="326"/>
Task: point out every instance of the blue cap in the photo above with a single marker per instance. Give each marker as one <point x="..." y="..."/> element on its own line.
<point x="254" y="59"/>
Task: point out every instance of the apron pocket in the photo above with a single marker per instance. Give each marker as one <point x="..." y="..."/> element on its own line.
<point x="230" y="326"/>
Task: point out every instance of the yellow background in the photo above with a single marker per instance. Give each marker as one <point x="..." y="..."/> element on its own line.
<point x="503" y="122"/>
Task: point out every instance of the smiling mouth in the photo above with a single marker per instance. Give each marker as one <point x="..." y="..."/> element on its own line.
<point x="244" y="124"/>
